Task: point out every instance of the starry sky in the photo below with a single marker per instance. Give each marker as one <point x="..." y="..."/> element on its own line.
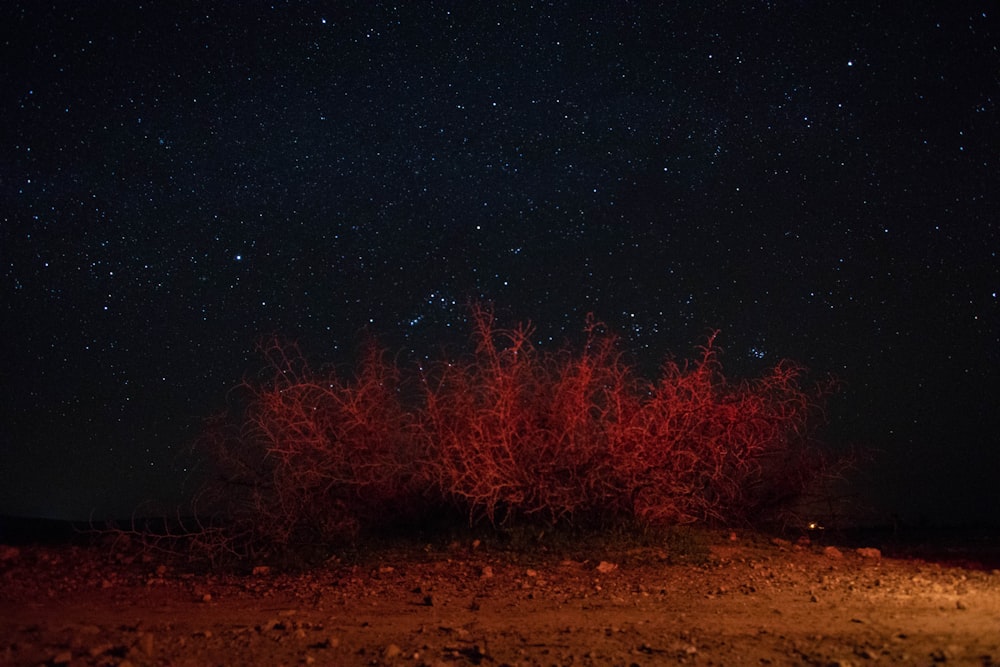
<point x="817" y="180"/>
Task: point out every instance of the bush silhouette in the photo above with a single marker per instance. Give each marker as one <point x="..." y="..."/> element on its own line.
<point x="506" y="434"/>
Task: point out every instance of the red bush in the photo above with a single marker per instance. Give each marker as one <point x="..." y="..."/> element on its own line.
<point x="508" y="433"/>
<point x="697" y="447"/>
<point x="519" y="433"/>
<point x="316" y="456"/>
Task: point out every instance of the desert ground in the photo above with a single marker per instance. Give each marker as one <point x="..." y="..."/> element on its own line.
<point x="708" y="597"/>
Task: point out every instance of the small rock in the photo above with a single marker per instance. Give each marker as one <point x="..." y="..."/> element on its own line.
<point x="146" y="643"/>
<point x="392" y="651"/>
<point x="486" y="572"/>
<point x="329" y="642"/>
<point x="100" y="649"/>
<point x="943" y="654"/>
<point x="62" y="658"/>
<point x="88" y="629"/>
<point x="604" y="567"/>
<point x="869" y="552"/>
<point x="832" y="552"/>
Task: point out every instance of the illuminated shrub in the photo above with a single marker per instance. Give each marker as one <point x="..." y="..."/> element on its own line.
<point x="314" y="456"/>
<point x="506" y="434"/>
<point x="696" y="447"/>
<point x="517" y="433"/>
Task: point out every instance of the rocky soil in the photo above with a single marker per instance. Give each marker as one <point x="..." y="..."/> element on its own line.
<point x="715" y="599"/>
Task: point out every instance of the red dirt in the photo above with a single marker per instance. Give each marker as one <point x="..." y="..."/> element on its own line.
<point x="748" y="601"/>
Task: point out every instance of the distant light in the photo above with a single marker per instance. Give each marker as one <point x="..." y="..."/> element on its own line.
<point x="850" y="63"/>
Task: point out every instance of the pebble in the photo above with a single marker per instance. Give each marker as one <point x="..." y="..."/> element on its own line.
<point x="604" y="567"/>
<point x="62" y="658"/>
<point x="146" y="643"/>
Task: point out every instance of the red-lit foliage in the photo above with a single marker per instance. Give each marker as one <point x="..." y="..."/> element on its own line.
<point x="315" y="456"/>
<point x="509" y="433"/>
<point x="696" y="447"/>
<point x="519" y="433"/>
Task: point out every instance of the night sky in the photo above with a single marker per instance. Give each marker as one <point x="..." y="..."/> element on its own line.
<point x="818" y="180"/>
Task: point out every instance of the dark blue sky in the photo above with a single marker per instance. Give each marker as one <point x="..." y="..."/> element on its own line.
<point x="817" y="180"/>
